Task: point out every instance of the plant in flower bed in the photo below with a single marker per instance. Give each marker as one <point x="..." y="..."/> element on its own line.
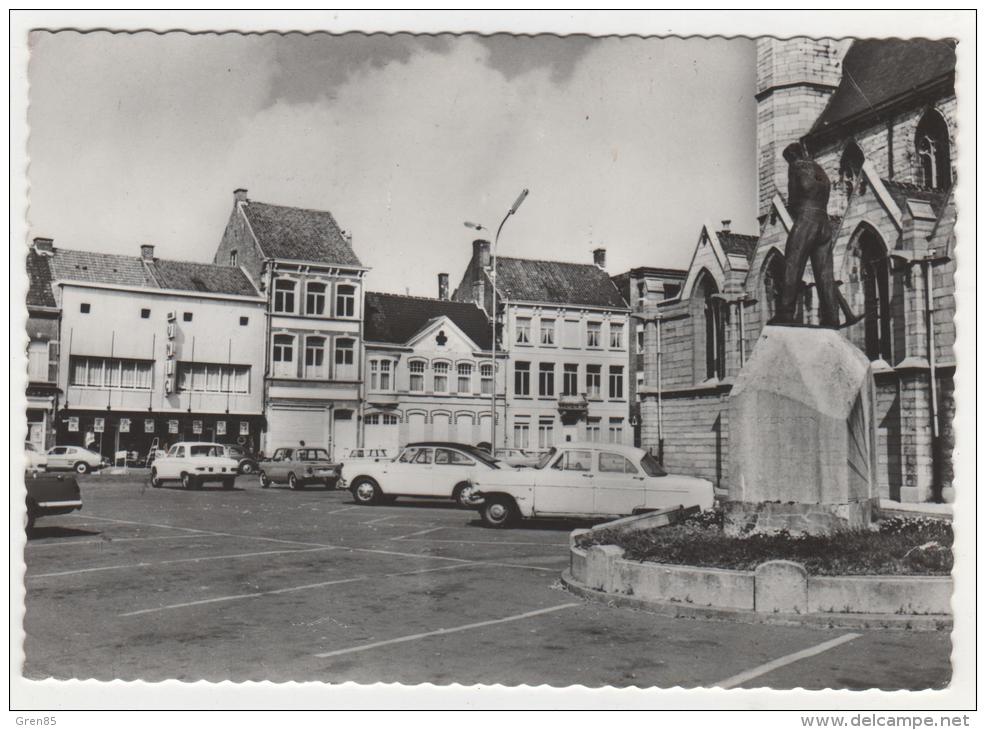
<point x="898" y="546"/>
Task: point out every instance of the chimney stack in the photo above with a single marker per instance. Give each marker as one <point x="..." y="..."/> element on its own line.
<point x="481" y="252"/>
<point x="240" y="195"/>
<point x="147" y="252"/>
<point x="443" y="287"/>
<point x="44" y="245"/>
<point x="725" y="225"/>
<point x="599" y="258"/>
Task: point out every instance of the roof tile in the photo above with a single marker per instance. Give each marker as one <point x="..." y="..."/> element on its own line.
<point x="395" y="319"/>
<point x="194" y="276"/>
<point x="299" y="234"/>
<point x="556" y="282"/>
<point x="39" y="293"/>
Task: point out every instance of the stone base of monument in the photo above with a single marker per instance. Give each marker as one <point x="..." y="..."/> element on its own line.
<point x="802" y="436"/>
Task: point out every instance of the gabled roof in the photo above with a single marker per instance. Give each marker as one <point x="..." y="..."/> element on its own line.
<point x="100" y="268"/>
<point x="556" y="282"/>
<point x="737" y="244"/>
<point x="395" y="318"/>
<point x="194" y="276"/>
<point x="879" y="72"/>
<point x="298" y="233"/>
<point x="39" y="293"/>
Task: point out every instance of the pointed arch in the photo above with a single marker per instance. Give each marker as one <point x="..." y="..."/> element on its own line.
<point x="710" y="328"/>
<point x="872" y="276"/>
<point x="933" y="150"/>
<point x="851" y="167"/>
<point x="771" y="283"/>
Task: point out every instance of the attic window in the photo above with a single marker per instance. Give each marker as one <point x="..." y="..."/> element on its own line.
<point x="232" y="257"/>
<point x="84" y="307"/>
<point x="187" y="316"/>
<point x="199" y="284"/>
<point x="145" y="313"/>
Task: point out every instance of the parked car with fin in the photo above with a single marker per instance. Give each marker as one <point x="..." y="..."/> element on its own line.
<point x="74" y="458"/>
<point x="586" y="480"/>
<point x="299" y="467"/>
<point x="193" y="464"/>
<point x="437" y="469"/>
<point x="50" y="494"/>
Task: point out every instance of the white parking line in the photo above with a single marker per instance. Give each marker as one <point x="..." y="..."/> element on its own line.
<point x="481" y="542"/>
<point x="379" y="519"/>
<point x="738" y="679"/>
<point x="419" y="532"/>
<point x="63" y="543"/>
<point x="204" y="558"/>
<point x="442" y="632"/>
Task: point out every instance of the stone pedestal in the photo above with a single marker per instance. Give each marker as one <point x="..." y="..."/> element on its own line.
<point x="802" y="437"/>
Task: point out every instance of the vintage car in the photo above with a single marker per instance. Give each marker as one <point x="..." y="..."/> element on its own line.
<point x="246" y="462"/>
<point x="299" y="467"/>
<point x="367" y="455"/>
<point x="35" y="461"/>
<point x="585" y="480"/>
<point x="193" y="464"/>
<point x="74" y="458"/>
<point x="423" y="469"/>
<point x="519" y="457"/>
<point x="50" y="494"/>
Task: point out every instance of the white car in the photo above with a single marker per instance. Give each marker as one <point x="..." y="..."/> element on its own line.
<point x="424" y="469"/>
<point x="36" y="461"/>
<point x="194" y="464"/>
<point x="586" y="480"/>
<point x="76" y="458"/>
<point x="368" y="455"/>
<point x="519" y="457"/>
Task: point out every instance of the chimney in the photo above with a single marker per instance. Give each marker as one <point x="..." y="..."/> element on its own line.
<point x="44" y="245"/>
<point x="147" y="252"/>
<point x="725" y="225"/>
<point x="443" y="287"/>
<point x="240" y="195"/>
<point x="599" y="258"/>
<point x="481" y="253"/>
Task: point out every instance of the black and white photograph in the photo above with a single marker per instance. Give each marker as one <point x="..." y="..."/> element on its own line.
<point x="486" y="352"/>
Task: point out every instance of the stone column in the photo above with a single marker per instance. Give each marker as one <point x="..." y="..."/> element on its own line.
<point x="649" y="416"/>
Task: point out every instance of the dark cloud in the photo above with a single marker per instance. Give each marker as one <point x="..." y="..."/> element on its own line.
<point x="515" y="55"/>
<point x="312" y="67"/>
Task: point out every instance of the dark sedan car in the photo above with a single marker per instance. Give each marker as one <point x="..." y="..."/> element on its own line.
<point x="246" y="462"/>
<point x="51" y="494"/>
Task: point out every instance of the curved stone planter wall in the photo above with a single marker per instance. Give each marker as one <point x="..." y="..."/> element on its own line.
<point x="778" y="586"/>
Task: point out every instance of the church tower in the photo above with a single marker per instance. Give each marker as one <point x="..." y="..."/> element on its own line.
<point x="795" y="79"/>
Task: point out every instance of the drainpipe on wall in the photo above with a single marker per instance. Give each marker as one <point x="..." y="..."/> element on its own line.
<point x="936" y="480"/>
<point x="265" y="388"/>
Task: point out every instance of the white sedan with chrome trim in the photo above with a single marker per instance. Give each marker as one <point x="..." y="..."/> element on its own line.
<point x="586" y="480"/>
<point x="193" y="464"/>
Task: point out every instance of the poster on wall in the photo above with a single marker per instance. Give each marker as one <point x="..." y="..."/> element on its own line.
<point x="99" y="425"/>
<point x="196" y="427"/>
<point x="124" y="425"/>
<point x="172" y="426"/>
<point x="73" y="423"/>
<point x="148" y="425"/>
<point x="220" y="428"/>
<point x="244" y="428"/>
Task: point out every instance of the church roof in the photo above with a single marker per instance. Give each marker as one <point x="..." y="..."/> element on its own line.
<point x="737" y="244"/>
<point x="877" y="73"/>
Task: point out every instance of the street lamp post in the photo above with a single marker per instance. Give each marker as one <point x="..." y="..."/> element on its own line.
<point x="496" y="239"/>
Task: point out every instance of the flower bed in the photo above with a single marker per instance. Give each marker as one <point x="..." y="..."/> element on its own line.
<point x="898" y="546"/>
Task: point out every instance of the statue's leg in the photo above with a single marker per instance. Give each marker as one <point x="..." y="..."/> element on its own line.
<point x="795" y="257"/>
<point x="828" y="301"/>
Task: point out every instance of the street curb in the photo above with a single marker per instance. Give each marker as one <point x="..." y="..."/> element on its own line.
<point x="821" y="621"/>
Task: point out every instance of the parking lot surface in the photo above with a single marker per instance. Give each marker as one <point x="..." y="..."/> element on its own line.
<point x="281" y="585"/>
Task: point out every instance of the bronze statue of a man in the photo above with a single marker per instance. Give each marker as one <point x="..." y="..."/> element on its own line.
<point x="810" y="236"/>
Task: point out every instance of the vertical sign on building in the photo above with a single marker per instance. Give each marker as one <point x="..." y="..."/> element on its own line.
<point x="244" y="428"/>
<point x="148" y="425"/>
<point x="220" y="428"/>
<point x="172" y="426"/>
<point x="169" y="360"/>
<point x="73" y="423"/>
<point x="99" y="425"/>
<point x="124" y="425"/>
<point x="196" y="427"/>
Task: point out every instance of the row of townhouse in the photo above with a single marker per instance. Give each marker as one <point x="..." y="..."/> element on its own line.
<point x="277" y="342"/>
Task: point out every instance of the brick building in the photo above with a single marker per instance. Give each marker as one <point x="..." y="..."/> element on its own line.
<point x="566" y="329"/>
<point x="879" y="116"/>
<point x="312" y="282"/>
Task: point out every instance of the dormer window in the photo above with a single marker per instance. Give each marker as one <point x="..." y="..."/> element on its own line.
<point x="284" y="290"/>
<point x="232" y="257"/>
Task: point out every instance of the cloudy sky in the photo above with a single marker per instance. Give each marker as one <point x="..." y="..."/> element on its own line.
<point x="628" y="144"/>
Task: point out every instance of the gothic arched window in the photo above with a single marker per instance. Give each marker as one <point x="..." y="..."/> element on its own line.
<point x="773" y="284"/>
<point x="875" y="277"/>
<point x="714" y="327"/>
<point x="850" y="167"/>
<point x="933" y="151"/>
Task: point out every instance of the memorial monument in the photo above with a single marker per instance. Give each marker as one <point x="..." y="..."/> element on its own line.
<point x="802" y="432"/>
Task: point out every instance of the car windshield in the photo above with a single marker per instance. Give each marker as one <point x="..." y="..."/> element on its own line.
<point x="545" y="458"/>
<point x="652" y="467"/>
<point x="205" y="450"/>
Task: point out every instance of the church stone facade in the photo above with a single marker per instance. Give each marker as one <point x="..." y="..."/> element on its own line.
<point x="879" y="116"/>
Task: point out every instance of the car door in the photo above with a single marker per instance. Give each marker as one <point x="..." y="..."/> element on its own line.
<point x="451" y="468"/>
<point x="57" y="458"/>
<point x="566" y="485"/>
<point x="277" y="468"/>
<point x="620" y="485"/>
<point x="418" y="477"/>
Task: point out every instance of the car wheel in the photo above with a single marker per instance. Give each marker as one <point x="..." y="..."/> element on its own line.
<point x="229" y="483"/>
<point x="247" y="468"/>
<point x="461" y="495"/>
<point x="366" y="491"/>
<point x="188" y="481"/>
<point x="155" y="482"/>
<point x="498" y="512"/>
<point x="293" y="481"/>
<point x="81" y="467"/>
<point x="264" y="480"/>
